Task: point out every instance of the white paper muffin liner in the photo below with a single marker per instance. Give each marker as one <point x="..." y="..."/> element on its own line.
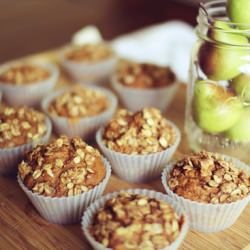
<point x="32" y="93"/>
<point x="139" y="168"/>
<point x="83" y="127"/>
<point x="66" y="210"/>
<point x="209" y="217"/>
<point x="98" y="204"/>
<point x="85" y="72"/>
<point x="10" y="157"/>
<point x="135" y="99"/>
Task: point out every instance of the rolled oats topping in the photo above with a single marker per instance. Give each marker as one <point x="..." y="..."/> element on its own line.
<point x="22" y="74"/>
<point x="205" y="177"/>
<point x="136" y="222"/>
<point x="143" y="132"/>
<point x="90" y="53"/>
<point x="79" y="102"/>
<point x="20" y="126"/>
<point x="64" y="167"/>
<point x="144" y="75"/>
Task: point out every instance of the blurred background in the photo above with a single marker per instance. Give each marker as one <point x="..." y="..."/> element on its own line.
<point x="29" y="26"/>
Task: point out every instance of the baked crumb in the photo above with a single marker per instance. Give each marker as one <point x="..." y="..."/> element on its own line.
<point x="64" y="167"/>
<point x="136" y="222"/>
<point x="22" y="74"/>
<point x="20" y="126"/>
<point x="144" y="75"/>
<point x="90" y="53"/>
<point x="205" y="177"/>
<point x="143" y="132"/>
<point x="79" y="102"/>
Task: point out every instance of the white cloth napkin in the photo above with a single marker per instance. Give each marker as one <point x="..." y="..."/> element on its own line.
<point x="168" y="44"/>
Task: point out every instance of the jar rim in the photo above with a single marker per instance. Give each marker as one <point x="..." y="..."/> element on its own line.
<point x="216" y="10"/>
<point x="208" y="9"/>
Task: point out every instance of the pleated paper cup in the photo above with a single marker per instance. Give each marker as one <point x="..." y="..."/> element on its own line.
<point x="98" y="204"/>
<point x="66" y="210"/>
<point x="32" y="93"/>
<point x="83" y="127"/>
<point x="139" y="168"/>
<point x="89" y="72"/>
<point x="209" y="217"/>
<point x="10" y="157"/>
<point x="136" y="99"/>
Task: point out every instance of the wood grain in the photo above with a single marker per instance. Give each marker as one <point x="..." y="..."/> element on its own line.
<point x="21" y="227"/>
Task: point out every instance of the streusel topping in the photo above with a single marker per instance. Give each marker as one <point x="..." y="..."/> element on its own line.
<point x="143" y="132"/>
<point x="90" y="53"/>
<point x="144" y="75"/>
<point x="64" y="167"/>
<point x="206" y="177"/>
<point x="20" y="126"/>
<point x="79" y="102"/>
<point x="22" y="74"/>
<point x="136" y="222"/>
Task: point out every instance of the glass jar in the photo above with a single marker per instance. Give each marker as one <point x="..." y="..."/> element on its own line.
<point x="218" y="95"/>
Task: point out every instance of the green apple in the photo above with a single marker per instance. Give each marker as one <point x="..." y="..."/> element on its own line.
<point x="239" y="11"/>
<point x="221" y="59"/>
<point x="241" y="85"/>
<point x="215" y="108"/>
<point x="221" y="31"/>
<point x="240" y="132"/>
<point x="220" y="62"/>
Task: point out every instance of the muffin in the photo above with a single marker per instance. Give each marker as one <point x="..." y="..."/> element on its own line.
<point x="23" y="74"/>
<point x="33" y="80"/>
<point x="80" y="111"/>
<point x="90" y="63"/>
<point x="144" y="75"/>
<point x="214" y="189"/>
<point x="141" y="85"/>
<point x="20" y="130"/>
<point x="62" y="178"/>
<point x="138" y="144"/>
<point x="79" y="103"/>
<point x="90" y="53"/>
<point x="134" y="219"/>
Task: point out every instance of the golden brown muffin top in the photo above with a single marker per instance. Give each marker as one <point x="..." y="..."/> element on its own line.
<point x="79" y="102"/>
<point x="205" y="177"/>
<point x="136" y="222"/>
<point x="22" y="74"/>
<point x="90" y="53"/>
<point x="20" y="126"/>
<point x="143" y="132"/>
<point x="64" y="167"/>
<point x="144" y="75"/>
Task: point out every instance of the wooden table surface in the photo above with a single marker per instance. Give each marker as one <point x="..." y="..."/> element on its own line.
<point x="21" y="227"/>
